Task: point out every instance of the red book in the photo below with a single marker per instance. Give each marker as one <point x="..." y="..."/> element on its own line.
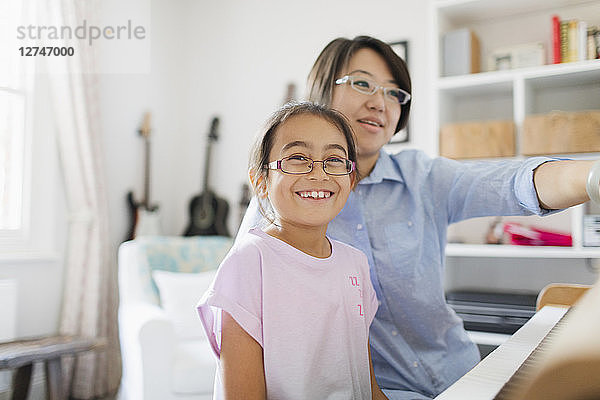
<point x="555" y="40"/>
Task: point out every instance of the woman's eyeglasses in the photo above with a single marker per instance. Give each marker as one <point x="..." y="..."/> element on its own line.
<point x="298" y="165"/>
<point x="368" y="86"/>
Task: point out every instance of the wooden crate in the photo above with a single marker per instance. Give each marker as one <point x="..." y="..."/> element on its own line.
<point x="478" y="139"/>
<point x="561" y="132"/>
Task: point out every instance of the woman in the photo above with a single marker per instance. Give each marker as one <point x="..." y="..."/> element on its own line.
<point x="400" y="210"/>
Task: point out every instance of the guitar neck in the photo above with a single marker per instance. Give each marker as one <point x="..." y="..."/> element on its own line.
<point x="144" y="131"/>
<point x="146" y="198"/>
<point x="205" y="184"/>
<point x="212" y="136"/>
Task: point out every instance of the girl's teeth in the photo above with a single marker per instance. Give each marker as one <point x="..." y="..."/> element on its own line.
<point x="315" y="194"/>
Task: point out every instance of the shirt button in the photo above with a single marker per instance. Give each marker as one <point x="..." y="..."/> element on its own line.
<point x="394" y="333"/>
<point x="379" y="302"/>
<point x="359" y="226"/>
<point x="415" y="364"/>
<point x="410" y="223"/>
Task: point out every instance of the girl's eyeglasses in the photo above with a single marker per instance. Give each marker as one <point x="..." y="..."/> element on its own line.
<point x="297" y="165"/>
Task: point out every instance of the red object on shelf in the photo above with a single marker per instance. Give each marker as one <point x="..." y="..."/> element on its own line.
<point x="556" y="39"/>
<point x="529" y="236"/>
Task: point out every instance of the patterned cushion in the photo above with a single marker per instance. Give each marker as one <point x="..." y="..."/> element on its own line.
<point x="179" y="254"/>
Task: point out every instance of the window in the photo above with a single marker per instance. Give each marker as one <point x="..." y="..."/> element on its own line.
<point x="15" y="95"/>
<point x="12" y="142"/>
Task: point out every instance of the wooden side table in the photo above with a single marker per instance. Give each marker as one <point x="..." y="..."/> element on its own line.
<point x="22" y="354"/>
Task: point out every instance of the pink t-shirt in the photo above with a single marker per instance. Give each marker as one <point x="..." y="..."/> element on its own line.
<point x="310" y="315"/>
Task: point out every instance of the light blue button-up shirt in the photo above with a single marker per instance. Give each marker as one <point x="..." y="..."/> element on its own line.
<point x="398" y="216"/>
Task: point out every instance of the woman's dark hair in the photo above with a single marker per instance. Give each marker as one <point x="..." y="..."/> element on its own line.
<point x="259" y="156"/>
<point x="334" y="58"/>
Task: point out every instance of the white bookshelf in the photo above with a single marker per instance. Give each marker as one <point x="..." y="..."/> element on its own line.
<point x="568" y="74"/>
<point x="514" y="94"/>
<point x="510" y="251"/>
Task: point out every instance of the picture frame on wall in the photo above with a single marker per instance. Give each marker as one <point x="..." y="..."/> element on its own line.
<point x="401" y="48"/>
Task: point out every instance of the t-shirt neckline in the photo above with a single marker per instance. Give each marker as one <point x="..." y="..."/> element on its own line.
<point x="288" y="249"/>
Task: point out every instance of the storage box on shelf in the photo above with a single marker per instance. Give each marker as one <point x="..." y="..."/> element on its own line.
<point x="561" y="132"/>
<point x="516" y="95"/>
<point x="461" y="53"/>
<point x="478" y="139"/>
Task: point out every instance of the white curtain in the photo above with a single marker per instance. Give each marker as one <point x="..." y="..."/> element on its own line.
<point x="90" y="296"/>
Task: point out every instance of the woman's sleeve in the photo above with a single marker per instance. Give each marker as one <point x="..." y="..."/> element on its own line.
<point x="237" y="289"/>
<point x="477" y="189"/>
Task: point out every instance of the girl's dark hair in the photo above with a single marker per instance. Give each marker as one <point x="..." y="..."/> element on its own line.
<point x="259" y="156"/>
<point x="334" y="58"/>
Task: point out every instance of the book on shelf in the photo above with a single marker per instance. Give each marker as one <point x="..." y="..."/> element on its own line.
<point x="555" y="39"/>
<point x="582" y="38"/>
<point x="564" y="40"/>
<point x="595" y="34"/>
<point x="573" y="40"/>
<point x="593" y="42"/>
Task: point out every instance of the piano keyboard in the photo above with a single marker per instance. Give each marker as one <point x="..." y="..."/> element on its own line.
<point x="488" y="378"/>
<point x="524" y="373"/>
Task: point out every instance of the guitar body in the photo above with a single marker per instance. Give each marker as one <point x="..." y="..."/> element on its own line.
<point x="132" y="205"/>
<point x="208" y="215"/>
<point x="144" y="217"/>
<point x="208" y="212"/>
<point x="148" y="223"/>
<point x="143" y="222"/>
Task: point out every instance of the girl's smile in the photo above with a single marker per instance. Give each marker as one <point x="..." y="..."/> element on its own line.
<point x="315" y="194"/>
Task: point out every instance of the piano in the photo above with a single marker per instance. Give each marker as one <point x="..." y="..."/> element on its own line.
<point x="555" y="355"/>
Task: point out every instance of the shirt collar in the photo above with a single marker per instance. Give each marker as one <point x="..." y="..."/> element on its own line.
<point x="385" y="168"/>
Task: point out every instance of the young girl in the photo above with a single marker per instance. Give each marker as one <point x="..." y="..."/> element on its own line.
<point x="289" y="311"/>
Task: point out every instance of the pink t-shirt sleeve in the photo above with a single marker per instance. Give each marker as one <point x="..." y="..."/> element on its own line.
<point x="237" y="289"/>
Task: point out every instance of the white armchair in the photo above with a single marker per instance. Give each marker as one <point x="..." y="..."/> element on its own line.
<point x="164" y="351"/>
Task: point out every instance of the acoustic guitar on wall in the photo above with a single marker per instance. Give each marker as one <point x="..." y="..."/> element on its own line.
<point x="144" y="215"/>
<point x="208" y="212"/>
